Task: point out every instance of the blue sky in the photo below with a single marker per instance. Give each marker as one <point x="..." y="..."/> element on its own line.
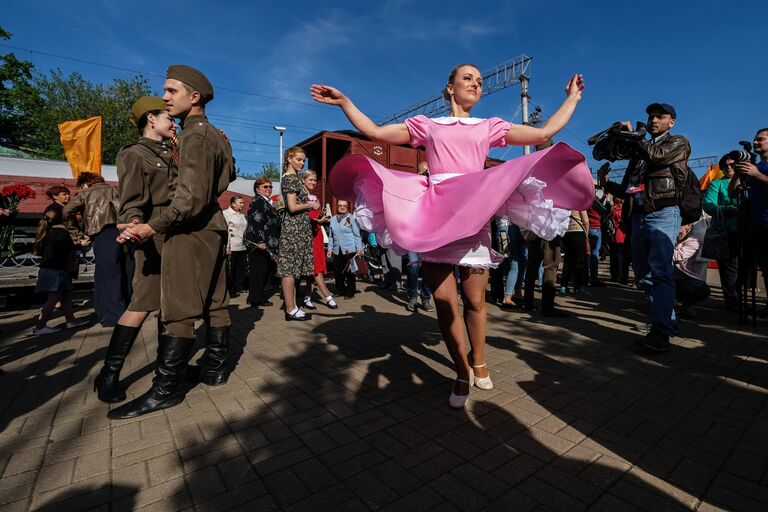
<point x="706" y="60"/>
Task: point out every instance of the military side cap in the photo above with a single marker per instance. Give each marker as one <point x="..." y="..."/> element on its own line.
<point x="192" y="78"/>
<point x="145" y="104"/>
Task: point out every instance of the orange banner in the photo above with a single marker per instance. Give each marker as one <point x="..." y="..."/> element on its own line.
<point x="82" y="144"/>
<point x="712" y="174"/>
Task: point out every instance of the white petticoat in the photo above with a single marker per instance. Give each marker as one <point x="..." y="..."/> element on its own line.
<point x="526" y="208"/>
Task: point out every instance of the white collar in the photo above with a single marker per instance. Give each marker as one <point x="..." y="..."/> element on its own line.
<point x="454" y="120"/>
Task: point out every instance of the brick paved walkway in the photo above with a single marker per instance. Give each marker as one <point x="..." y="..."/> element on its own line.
<point x="348" y="412"/>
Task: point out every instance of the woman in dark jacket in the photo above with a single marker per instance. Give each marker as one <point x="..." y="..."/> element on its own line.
<point x="97" y="201"/>
<point x="262" y="236"/>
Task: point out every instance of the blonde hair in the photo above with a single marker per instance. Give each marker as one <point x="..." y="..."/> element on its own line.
<point x="295" y="150"/>
<point x="306" y="174"/>
<point x="452" y="77"/>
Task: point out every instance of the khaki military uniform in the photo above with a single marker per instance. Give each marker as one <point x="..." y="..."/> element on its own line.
<point x="193" y="283"/>
<point x="145" y="180"/>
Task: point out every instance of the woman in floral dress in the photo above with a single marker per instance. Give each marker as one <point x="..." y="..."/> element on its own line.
<point x="295" y="254"/>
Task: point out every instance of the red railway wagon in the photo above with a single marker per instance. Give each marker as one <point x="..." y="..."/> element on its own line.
<point x="326" y="148"/>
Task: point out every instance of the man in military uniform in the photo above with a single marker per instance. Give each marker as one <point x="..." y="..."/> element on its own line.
<point x="193" y="280"/>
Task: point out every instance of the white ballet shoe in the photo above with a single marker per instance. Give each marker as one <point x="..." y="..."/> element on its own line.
<point x="458" y="401"/>
<point x="483" y="382"/>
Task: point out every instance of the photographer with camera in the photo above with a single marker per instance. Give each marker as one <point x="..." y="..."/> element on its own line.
<point x="652" y="187"/>
<point x="724" y="209"/>
<point x="750" y="180"/>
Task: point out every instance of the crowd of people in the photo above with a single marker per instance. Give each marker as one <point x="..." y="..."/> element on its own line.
<point x="162" y="242"/>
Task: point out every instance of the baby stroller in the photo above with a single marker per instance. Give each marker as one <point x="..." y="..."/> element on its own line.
<point x="372" y="254"/>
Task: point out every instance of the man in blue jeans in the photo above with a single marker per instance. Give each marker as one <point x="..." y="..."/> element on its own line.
<point x="414" y="262"/>
<point x="652" y="186"/>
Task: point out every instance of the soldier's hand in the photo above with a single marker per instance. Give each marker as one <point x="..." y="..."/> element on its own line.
<point x="628" y="125"/>
<point x="121" y="227"/>
<point x="139" y="232"/>
<point x="327" y="94"/>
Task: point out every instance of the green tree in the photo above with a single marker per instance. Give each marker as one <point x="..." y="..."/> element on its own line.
<point x="18" y="96"/>
<point x="270" y="171"/>
<point x="66" y="98"/>
<point x="33" y="104"/>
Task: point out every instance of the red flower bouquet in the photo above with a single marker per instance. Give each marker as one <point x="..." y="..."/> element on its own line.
<point x="12" y="195"/>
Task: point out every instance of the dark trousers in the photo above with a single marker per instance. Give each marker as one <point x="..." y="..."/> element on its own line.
<point x="575" y="245"/>
<point x="236" y="271"/>
<point x="261" y="270"/>
<point x="112" y="276"/>
<point x="689" y="290"/>
<point x="619" y="263"/>
<point x="496" y="280"/>
<point x="728" y="268"/>
<point x="546" y="252"/>
<point x="345" y="281"/>
<point x="755" y="255"/>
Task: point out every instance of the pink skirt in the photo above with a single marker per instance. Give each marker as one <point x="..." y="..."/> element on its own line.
<point x="445" y="217"/>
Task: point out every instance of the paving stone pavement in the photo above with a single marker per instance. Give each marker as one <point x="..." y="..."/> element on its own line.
<point x="349" y="412"/>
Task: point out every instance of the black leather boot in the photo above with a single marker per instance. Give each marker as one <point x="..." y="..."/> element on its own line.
<point x="212" y="369"/>
<point x="107" y="383"/>
<point x="548" y="303"/>
<point x="166" y="390"/>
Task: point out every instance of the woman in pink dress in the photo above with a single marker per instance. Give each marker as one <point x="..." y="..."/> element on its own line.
<point x="446" y="216"/>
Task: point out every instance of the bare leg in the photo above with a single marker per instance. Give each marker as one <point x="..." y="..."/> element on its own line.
<point x="320" y="283"/>
<point x="133" y="318"/>
<point x="443" y="284"/>
<point x="47" y="310"/>
<point x="474" y="282"/>
<point x="289" y="292"/>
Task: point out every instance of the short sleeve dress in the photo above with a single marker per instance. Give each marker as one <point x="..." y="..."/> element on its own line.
<point x="294" y="256"/>
<point x="446" y="216"/>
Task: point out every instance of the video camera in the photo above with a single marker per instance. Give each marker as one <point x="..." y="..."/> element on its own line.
<point x="743" y="155"/>
<point x="617" y="142"/>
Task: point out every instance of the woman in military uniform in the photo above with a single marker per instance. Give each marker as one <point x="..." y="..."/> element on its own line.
<point x="145" y="177"/>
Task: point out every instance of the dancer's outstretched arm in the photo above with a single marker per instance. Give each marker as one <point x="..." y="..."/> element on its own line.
<point x="390" y="133"/>
<point x="523" y="135"/>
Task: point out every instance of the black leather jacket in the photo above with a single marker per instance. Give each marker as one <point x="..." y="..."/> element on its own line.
<point x="664" y="177"/>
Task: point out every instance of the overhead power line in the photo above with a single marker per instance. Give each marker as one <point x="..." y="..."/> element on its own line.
<point x="140" y="72"/>
<point x="495" y="79"/>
